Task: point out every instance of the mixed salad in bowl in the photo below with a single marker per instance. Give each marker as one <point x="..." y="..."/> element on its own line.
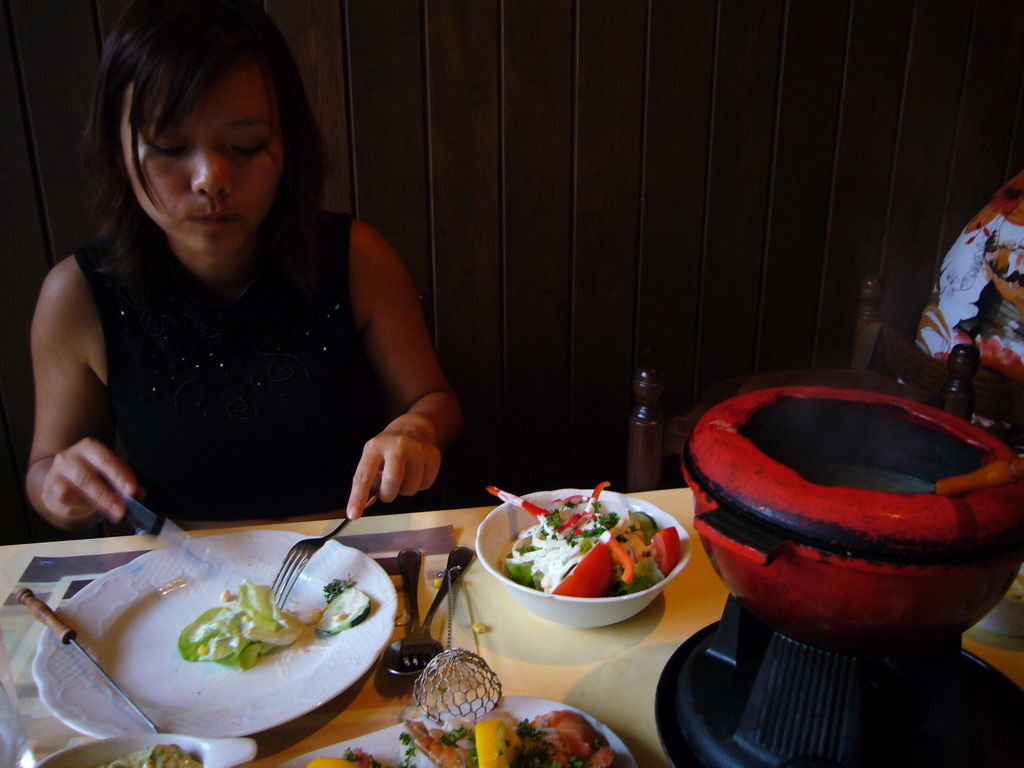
<point x="581" y="546"/>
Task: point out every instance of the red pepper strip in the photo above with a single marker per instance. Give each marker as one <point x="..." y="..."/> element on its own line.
<point x="515" y="501"/>
<point x="570" y="522"/>
<point x="593" y="496"/>
<point x="622" y="557"/>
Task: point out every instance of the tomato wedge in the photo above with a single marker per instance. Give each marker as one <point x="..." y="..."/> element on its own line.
<point x="665" y="547"/>
<point x="592" y="575"/>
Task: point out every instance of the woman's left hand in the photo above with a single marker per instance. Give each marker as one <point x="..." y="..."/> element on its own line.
<point x="405" y="457"/>
<point x="402" y="459"/>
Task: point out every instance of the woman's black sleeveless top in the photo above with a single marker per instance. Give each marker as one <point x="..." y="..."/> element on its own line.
<point x="254" y="408"/>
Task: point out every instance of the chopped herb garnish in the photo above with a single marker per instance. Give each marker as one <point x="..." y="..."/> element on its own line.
<point x="336" y="587"/>
<point x="452" y="738"/>
<point x="553" y="521"/>
<point x="409" y="756"/>
<point x="526" y="731"/>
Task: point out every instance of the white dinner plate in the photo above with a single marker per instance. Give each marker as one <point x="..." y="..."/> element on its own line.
<point x="129" y="620"/>
<point x="385" y="746"/>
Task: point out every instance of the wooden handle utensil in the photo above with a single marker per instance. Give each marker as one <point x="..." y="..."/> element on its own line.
<point x="45" y="615"/>
<point x="1001" y="472"/>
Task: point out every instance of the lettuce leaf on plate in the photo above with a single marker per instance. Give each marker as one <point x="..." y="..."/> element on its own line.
<point x="239" y="632"/>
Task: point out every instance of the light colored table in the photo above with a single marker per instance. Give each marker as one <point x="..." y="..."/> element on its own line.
<point x="610" y="672"/>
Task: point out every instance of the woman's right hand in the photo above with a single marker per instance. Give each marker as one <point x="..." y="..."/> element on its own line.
<point x="84" y="482"/>
<point x="74" y="478"/>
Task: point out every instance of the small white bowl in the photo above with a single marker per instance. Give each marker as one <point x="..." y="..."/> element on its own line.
<point x="502" y="526"/>
<point x="212" y="753"/>
<point x="1007" y="618"/>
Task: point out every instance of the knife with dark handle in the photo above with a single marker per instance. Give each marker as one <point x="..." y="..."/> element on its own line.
<point x="146" y="521"/>
<point x="142" y="517"/>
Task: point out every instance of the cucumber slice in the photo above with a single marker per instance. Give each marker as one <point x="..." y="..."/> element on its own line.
<point x="645" y="523"/>
<point x="349" y="608"/>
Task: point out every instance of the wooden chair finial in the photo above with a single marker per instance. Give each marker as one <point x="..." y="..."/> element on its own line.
<point x="869" y="307"/>
<point x="958" y="391"/>
<point x="646" y="430"/>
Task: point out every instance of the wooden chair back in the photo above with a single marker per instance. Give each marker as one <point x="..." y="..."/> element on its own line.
<point x="882" y="361"/>
<point x="962" y="386"/>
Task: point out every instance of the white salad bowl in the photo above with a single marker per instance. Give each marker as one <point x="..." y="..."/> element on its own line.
<point x="501" y="527"/>
<point x="212" y="753"/>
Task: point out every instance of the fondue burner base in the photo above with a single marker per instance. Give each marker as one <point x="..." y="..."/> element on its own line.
<point x="737" y="695"/>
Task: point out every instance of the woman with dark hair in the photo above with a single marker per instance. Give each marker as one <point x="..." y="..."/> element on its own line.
<point x="247" y="349"/>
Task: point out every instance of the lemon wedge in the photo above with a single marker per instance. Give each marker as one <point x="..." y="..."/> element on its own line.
<point x="330" y="762"/>
<point x="495" y="742"/>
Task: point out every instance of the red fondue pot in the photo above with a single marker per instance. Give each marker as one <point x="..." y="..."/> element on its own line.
<point x="816" y="508"/>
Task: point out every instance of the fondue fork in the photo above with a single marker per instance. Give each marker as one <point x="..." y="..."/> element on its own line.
<point x="1001" y="472"/>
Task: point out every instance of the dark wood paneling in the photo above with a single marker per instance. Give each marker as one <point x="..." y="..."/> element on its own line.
<point x="576" y="185"/>
<point x="747" y="48"/>
<point x="14" y="518"/>
<point x="1015" y="159"/>
<point x="537" y="174"/>
<point x="609" y="108"/>
<point x="462" y="72"/>
<point x="987" y="113"/>
<point x="24" y="256"/>
<point x="58" y="55"/>
<point x="107" y="14"/>
<point x="805" y="136"/>
<point x="389" y="165"/>
<point x="934" y="85"/>
<point x="677" y="114"/>
<point x="878" y="40"/>
<point x="314" y="32"/>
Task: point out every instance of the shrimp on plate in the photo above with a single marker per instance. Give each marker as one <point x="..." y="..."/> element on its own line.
<point x="570" y="735"/>
<point x="561" y="738"/>
<point x="441" y="747"/>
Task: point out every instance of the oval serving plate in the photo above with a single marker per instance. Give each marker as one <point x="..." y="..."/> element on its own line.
<point x="129" y="620"/>
<point x="384" y="744"/>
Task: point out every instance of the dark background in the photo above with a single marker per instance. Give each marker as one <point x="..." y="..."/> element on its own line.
<point x="578" y="186"/>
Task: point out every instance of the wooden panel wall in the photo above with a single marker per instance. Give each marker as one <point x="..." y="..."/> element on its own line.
<point x="577" y="185"/>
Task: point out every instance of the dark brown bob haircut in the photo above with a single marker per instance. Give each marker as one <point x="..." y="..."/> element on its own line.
<point x="171" y="52"/>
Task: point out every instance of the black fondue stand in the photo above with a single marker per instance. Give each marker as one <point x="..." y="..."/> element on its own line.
<point x="738" y="694"/>
<point x="837" y="659"/>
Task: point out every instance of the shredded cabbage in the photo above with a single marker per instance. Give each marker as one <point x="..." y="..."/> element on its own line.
<point x="239" y="632"/>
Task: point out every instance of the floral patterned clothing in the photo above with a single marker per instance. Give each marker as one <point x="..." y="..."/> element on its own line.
<point x="979" y="297"/>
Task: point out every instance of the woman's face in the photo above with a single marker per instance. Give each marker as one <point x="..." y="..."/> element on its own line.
<point x="213" y="176"/>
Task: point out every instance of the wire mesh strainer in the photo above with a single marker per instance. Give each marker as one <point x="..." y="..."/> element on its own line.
<point x="456" y="682"/>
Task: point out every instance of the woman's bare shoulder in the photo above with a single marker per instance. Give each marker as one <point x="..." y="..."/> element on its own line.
<point x="66" y="314"/>
<point x="65" y="283"/>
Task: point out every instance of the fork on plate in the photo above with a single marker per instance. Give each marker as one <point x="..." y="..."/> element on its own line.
<point x="298" y="556"/>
